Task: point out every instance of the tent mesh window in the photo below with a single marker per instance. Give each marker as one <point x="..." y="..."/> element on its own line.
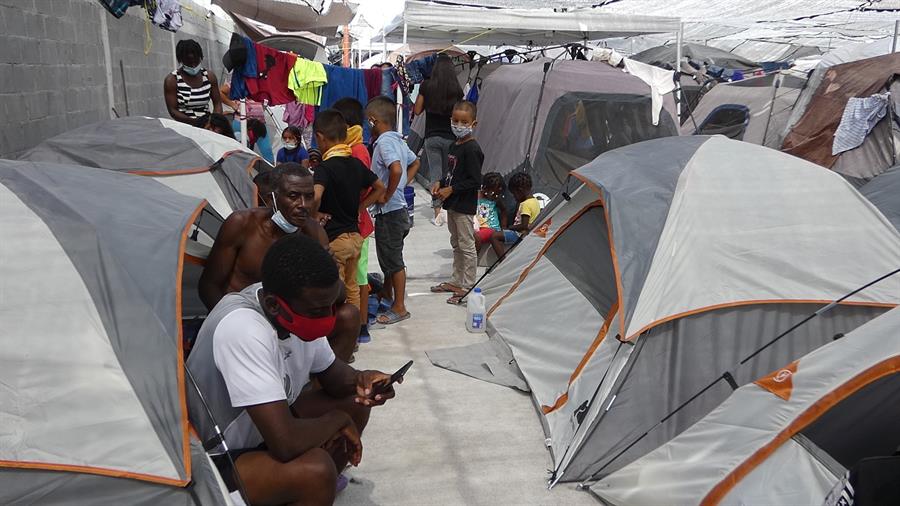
<point x="582" y="254"/>
<point x="865" y="424"/>
<point x="730" y="120"/>
<point x="583" y="125"/>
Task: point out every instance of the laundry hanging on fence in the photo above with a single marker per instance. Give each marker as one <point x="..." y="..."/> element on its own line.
<point x="306" y="81"/>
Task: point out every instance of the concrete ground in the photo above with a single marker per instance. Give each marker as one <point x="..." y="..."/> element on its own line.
<point x="447" y="438"/>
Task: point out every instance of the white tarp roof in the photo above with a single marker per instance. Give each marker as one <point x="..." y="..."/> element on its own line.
<point x="322" y="17"/>
<point x="531" y="27"/>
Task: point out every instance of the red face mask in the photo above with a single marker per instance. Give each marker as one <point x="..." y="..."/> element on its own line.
<point x="307" y="329"/>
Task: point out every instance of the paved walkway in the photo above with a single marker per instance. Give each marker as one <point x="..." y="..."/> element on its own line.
<point x="446" y="439"/>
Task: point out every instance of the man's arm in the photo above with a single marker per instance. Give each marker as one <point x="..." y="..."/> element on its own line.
<point x="220" y="263"/>
<point x="395" y="170"/>
<point x="287" y="437"/>
<point x="377" y="195"/>
<point x="319" y="189"/>
<point x="412" y="170"/>
<point x="170" y="92"/>
<point x="317" y="231"/>
<point x="340" y="380"/>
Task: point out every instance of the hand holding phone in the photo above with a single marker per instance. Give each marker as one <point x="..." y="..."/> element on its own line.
<point x="374" y="388"/>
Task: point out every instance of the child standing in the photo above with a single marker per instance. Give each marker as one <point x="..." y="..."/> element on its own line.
<point x="529" y="208"/>
<point x="460" y="198"/>
<point x="491" y="214"/>
<point x="339" y="179"/>
<point x="394" y="164"/>
<point x="293" y="150"/>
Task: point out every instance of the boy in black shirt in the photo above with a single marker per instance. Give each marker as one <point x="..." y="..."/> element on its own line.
<point x="460" y="198"/>
<point x="339" y="179"/>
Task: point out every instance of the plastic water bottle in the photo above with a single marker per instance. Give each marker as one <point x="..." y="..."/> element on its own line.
<point x="475" y="317"/>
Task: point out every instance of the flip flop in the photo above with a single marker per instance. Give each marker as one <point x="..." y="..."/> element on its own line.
<point x="391" y="317"/>
<point x="456" y="300"/>
<point x="444" y="288"/>
<point x="341" y="483"/>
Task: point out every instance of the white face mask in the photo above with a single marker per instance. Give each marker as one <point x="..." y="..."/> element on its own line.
<point x="461" y="131"/>
<point x="191" y="71"/>
<point x="290" y="146"/>
<point x="280" y="220"/>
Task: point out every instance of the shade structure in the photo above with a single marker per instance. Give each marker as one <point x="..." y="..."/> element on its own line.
<point x="549" y="117"/>
<point x="754" y="110"/>
<point x="839" y="77"/>
<point x="321" y="17"/>
<point x="190" y="160"/>
<point x="92" y="402"/>
<point x="667" y="56"/>
<point x="520" y="27"/>
<point x="787" y="438"/>
<point x="665" y="263"/>
<point x="884" y="192"/>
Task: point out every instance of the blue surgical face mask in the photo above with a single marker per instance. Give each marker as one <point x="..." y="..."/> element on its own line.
<point x="280" y="220"/>
<point x="191" y="71"/>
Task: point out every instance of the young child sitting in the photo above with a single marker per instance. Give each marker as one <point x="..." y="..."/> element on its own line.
<point x="491" y="214"/>
<point x="460" y="198"/>
<point x="529" y="208"/>
<point x="293" y="150"/>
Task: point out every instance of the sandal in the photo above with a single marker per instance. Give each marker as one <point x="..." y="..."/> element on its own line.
<point x="456" y="300"/>
<point x="390" y="317"/>
<point x="445" y="288"/>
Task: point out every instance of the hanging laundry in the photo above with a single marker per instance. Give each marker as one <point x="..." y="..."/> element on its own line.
<point x="387" y="82"/>
<point x="165" y="14"/>
<point x="299" y="115"/>
<point x="420" y="69"/>
<point x="859" y="118"/>
<point x="306" y="81"/>
<point x="472" y="95"/>
<point x="372" y="78"/>
<point x="243" y="62"/>
<point x="661" y="82"/>
<point x="118" y="7"/>
<point x="272" y="70"/>
<point x="402" y="76"/>
<point x="343" y="82"/>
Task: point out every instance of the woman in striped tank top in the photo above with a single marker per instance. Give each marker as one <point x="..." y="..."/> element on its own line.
<point x="190" y="87"/>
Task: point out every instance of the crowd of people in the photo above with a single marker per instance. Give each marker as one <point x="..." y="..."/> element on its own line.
<point x="287" y="284"/>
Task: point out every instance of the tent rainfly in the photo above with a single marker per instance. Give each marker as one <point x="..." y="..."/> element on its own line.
<point x="660" y="266"/>
<point x="190" y="160"/>
<point x="754" y="110"/>
<point x="666" y="56"/>
<point x="884" y="191"/>
<point x="92" y="402"/>
<point x="550" y="117"/>
<point x="458" y="24"/>
<point x="787" y="438"/>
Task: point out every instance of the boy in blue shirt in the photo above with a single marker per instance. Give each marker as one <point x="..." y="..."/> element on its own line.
<point x="394" y="164"/>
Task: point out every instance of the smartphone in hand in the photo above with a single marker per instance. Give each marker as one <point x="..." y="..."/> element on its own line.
<point x="381" y="388"/>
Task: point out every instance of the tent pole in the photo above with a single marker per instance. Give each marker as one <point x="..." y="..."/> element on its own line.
<point x="405" y="26"/>
<point x="345" y="47"/>
<point x="896" y="29"/>
<point x="384" y="41"/>
<point x="678" y="50"/>
<point x="776" y="84"/>
<point x="242" y="111"/>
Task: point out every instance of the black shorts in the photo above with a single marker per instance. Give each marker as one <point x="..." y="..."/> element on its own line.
<point x="390" y="231"/>
<point x="225" y="467"/>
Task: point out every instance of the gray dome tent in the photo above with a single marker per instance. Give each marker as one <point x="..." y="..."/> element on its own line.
<point x="884" y="191"/>
<point x="549" y="117"/>
<point x="664" y="264"/>
<point x="92" y="403"/>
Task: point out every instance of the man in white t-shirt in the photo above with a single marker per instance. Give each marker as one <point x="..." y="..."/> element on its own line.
<point x="253" y="360"/>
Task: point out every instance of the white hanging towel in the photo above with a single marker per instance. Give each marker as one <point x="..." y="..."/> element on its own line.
<point x="859" y="118"/>
<point x="661" y="82"/>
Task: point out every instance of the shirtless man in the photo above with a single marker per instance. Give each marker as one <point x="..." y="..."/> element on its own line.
<point x="235" y="261"/>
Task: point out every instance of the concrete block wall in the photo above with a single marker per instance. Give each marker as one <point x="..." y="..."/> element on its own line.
<point x="55" y="74"/>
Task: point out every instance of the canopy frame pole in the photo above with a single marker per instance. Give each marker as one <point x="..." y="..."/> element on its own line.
<point x="384" y="42"/>
<point x="679" y="40"/>
<point x="242" y="111"/>
<point x="405" y="26"/>
<point x="345" y="47"/>
<point x="896" y="29"/>
<point x="776" y="85"/>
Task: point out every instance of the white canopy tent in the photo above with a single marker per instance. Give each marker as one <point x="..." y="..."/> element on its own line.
<point x="321" y="17"/>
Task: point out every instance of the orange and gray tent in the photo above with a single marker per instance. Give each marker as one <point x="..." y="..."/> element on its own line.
<point x="753" y="110"/>
<point x="190" y="160"/>
<point x="549" y="117"/>
<point x="810" y="131"/>
<point x="92" y="402"/>
<point x="884" y="191"/>
<point x="789" y="437"/>
<point x="661" y="265"/>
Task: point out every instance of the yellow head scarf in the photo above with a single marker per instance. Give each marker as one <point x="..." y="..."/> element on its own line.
<point x="354" y="135"/>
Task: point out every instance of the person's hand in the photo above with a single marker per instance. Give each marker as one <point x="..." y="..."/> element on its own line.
<point x="367" y="382"/>
<point x="435" y="187"/>
<point x="443" y="193"/>
<point x="323" y="218"/>
<point x="346" y="440"/>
